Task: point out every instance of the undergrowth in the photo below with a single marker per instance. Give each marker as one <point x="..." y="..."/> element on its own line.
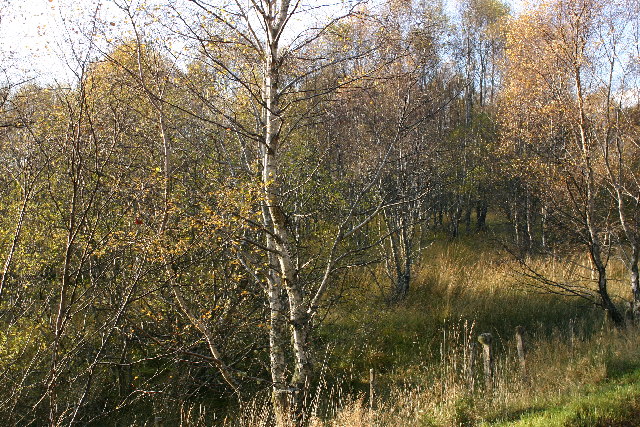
<point x="422" y="349"/>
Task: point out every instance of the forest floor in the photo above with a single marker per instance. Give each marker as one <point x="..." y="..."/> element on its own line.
<point x="579" y="370"/>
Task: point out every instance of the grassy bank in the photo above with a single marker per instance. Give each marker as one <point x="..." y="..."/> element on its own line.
<point x="615" y="402"/>
<point x="421" y="349"/>
<point x="425" y="353"/>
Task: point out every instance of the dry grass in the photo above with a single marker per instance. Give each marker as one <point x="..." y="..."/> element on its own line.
<point x="442" y="394"/>
<point x="422" y="348"/>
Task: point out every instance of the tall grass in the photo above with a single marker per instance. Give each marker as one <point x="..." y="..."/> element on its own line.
<point x="421" y="349"/>
<point x="440" y="394"/>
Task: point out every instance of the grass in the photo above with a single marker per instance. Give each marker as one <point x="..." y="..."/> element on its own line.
<point x="578" y="372"/>
<point x="614" y="403"/>
<point x="421" y="348"/>
<point x="585" y="383"/>
<point x="455" y="285"/>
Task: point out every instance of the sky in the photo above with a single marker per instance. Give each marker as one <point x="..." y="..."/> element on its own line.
<point x="29" y="37"/>
<point x="39" y="39"/>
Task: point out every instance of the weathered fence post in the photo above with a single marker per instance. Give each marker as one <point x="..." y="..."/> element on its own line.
<point x="606" y="322"/>
<point x="372" y="389"/>
<point x="572" y="335"/>
<point x="522" y="348"/>
<point x="487" y="353"/>
<point x="471" y="361"/>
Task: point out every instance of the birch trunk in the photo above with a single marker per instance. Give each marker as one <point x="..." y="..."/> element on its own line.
<point x="289" y="402"/>
<point x="585" y="145"/>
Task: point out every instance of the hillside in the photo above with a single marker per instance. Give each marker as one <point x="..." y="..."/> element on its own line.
<point x="579" y="371"/>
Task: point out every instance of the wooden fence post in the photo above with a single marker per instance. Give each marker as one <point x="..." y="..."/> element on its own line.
<point x="522" y="348"/>
<point x="572" y="335"/>
<point x="606" y="322"/>
<point x="471" y="361"/>
<point x="487" y="353"/>
<point x="372" y="389"/>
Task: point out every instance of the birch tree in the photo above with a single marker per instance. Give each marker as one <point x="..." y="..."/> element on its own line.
<point x="260" y="64"/>
<point x="553" y="77"/>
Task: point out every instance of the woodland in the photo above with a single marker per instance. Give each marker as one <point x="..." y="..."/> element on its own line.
<point x="240" y="212"/>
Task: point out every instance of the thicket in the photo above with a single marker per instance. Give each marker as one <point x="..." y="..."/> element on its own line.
<point x="239" y="233"/>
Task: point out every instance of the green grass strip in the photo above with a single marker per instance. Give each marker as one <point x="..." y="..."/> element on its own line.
<point x="613" y="404"/>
